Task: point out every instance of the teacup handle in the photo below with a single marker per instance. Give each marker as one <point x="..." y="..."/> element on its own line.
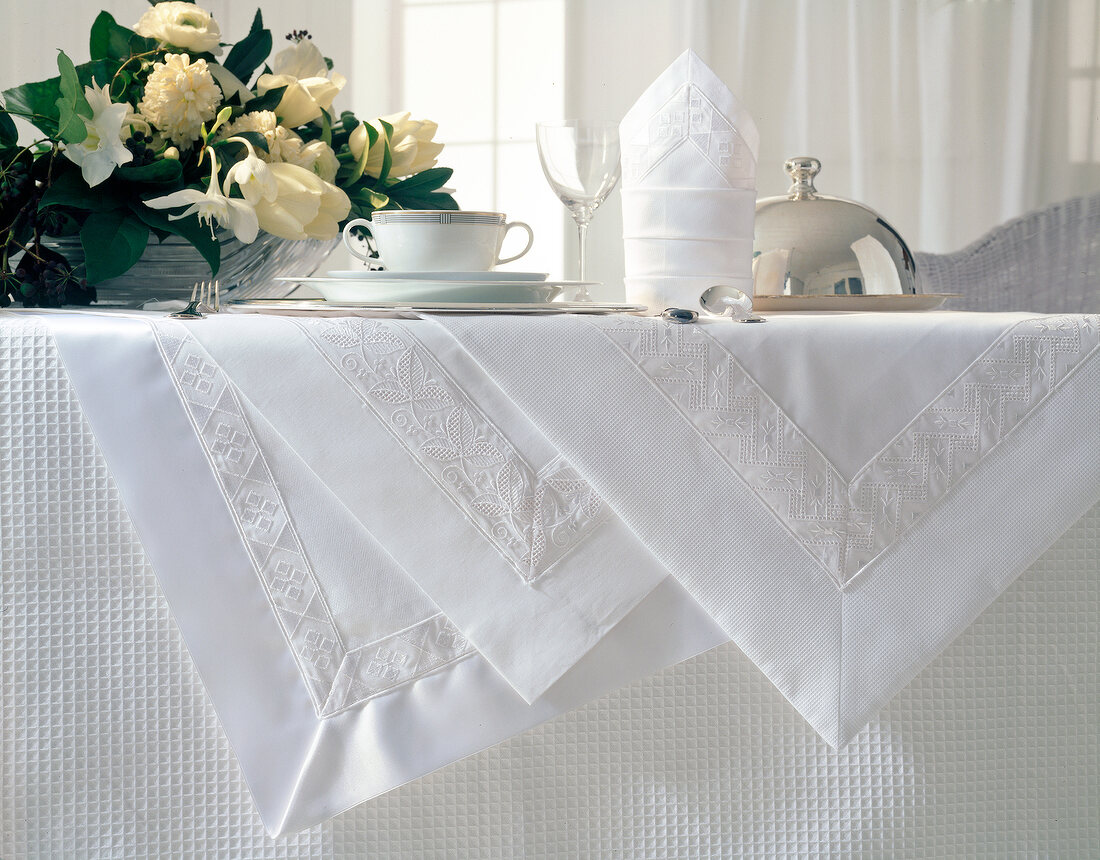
<point x="348" y="243"/>
<point x="526" y="248"/>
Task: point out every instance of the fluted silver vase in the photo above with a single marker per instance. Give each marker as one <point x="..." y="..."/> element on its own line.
<point x="170" y="269"/>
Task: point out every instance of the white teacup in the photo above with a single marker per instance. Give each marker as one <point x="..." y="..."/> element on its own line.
<point x="428" y="240"/>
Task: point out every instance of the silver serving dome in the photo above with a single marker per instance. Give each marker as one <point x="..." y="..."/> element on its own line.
<point x="808" y="244"/>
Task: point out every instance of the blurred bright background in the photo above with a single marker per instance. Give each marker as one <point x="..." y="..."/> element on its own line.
<point x="947" y="116"/>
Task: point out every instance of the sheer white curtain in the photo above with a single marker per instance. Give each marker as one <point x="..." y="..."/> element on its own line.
<point x="947" y="117"/>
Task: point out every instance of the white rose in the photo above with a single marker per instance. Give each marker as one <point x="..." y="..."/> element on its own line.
<point x="182" y="25"/>
<point x="412" y="147"/>
<point x="318" y="157"/>
<point x="305" y="206"/>
<point x="309" y="85"/>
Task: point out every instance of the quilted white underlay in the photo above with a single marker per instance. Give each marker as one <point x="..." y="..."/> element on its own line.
<point x="110" y="748"/>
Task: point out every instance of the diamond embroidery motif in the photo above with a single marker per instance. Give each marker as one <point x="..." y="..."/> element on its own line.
<point x="228" y="443"/>
<point x="337" y="678"/>
<point x="288" y="581"/>
<point x="845" y="526"/>
<point x="258" y="512"/>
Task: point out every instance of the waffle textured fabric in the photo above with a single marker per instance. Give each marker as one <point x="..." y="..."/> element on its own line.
<point x="1047" y="261"/>
<point x="110" y="748"/>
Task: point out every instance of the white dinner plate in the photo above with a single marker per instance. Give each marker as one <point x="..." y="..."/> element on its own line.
<point x="384" y="275"/>
<point x="433" y="291"/>
<point x="319" y="307"/>
<point x="920" y="302"/>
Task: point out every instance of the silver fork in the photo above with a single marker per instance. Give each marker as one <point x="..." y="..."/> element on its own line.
<point x="205" y="296"/>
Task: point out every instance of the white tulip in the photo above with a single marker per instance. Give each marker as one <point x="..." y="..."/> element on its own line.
<point x="306" y="207"/>
<point x="411" y="145"/>
<point x="309" y="85"/>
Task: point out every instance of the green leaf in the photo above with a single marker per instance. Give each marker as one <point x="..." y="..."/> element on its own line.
<point x="72" y="107"/>
<point x="190" y="228"/>
<point x="9" y="134"/>
<point x="254" y="137"/>
<point x="423" y="182"/>
<point x="37" y="102"/>
<point x="431" y="200"/>
<point x="268" y="101"/>
<point x="70" y="189"/>
<point x="326" y="127"/>
<point x="250" y="51"/>
<point x="160" y="172"/>
<point x="109" y="40"/>
<point x="113" y="241"/>
<point x="387" y="153"/>
<point x="361" y="163"/>
<point x="368" y="197"/>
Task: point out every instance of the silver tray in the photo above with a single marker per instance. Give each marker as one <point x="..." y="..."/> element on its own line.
<point x="918" y="302"/>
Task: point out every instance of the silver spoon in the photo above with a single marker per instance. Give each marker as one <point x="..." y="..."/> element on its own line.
<point x="725" y="301"/>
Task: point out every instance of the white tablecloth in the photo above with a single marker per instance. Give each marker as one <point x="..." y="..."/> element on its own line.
<point x="34" y="350"/>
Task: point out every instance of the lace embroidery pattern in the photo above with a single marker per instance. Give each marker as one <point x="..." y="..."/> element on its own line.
<point x="689" y="118"/>
<point x="533" y="517"/>
<point x="336" y="678"/>
<point x="845" y="526"/>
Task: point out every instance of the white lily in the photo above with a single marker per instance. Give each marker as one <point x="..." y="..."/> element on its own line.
<point x="213" y="205"/>
<point x="252" y="174"/>
<point x="102" y="150"/>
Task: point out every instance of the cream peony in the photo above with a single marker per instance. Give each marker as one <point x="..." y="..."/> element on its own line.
<point x="102" y="150"/>
<point x="282" y="143"/>
<point x="181" y="25"/>
<point x="179" y="97"/>
<point x="318" y="157"/>
<point x="412" y="147"/>
<point x="306" y="207"/>
<point x="309" y="86"/>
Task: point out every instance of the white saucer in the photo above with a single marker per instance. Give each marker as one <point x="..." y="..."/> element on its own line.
<point x="435" y="291"/>
<point x="385" y="275"/>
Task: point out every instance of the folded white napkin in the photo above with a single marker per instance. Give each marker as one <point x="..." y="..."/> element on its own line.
<point x="689" y="188"/>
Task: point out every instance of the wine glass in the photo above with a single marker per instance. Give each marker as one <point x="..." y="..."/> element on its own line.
<point x="581" y="162"/>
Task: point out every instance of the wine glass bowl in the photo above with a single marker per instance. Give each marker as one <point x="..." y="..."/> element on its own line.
<point x="580" y="160"/>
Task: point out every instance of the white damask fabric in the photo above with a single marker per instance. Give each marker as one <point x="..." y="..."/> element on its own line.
<point x="839" y="581"/>
<point x="840" y="561"/>
<point x="111" y="748"/>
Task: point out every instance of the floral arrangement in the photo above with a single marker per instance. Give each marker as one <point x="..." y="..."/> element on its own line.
<point x="154" y="136"/>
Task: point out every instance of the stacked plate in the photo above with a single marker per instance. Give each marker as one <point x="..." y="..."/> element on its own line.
<point x="478" y="288"/>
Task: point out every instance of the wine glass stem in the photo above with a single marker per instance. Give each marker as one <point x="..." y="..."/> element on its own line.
<point x="582" y="241"/>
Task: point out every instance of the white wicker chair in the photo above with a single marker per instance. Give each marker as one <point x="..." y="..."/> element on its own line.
<point x="1047" y="261"/>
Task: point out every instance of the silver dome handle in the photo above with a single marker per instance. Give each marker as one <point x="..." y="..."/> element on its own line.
<point x="802" y="169"/>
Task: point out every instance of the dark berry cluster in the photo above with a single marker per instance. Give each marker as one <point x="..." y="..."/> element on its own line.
<point x="298" y="35"/>
<point x="15" y="183"/>
<point x="44" y="279"/>
<point x="138" y="144"/>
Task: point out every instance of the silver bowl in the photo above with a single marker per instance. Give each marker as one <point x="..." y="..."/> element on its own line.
<point x="170" y="269"/>
<point x="809" y="244"/>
